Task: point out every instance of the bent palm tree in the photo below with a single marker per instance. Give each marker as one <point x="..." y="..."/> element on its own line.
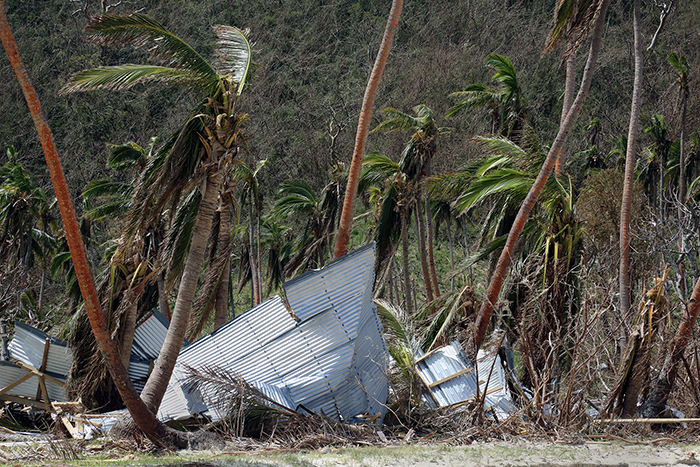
<point x="505" y="259"/>
<point x="143" y="417"/>
<point x="202" y="151"/>
<point x="504" y="102"/>
<point x="343" y="238"/>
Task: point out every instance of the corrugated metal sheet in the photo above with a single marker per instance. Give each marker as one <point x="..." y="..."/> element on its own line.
<point x="320" y="361"/>
<point x="28" y="346"/>
<point x="9" y="373"/>
<point x="149" y="335"/>
<point x="453" y="379"/>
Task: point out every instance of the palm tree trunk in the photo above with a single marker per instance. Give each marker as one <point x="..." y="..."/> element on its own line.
<point x="681" y="183"/>
<point x="422" y="252"/>
<point x="157" y="383"/>
<point x="127" y="333"/>
<point x="343" y="238"/>
<point x="516" y="229"/>
<point x="255" y="285"/>
<point x="629" y="175"/>
<point x="568" y="100"/>
<point x="655" y="404"/>
<point x="221" y="307"/>
<point x="162" y="296"/>
<point x="404" y="256"/>
<point x="144" y="418"/>
<point x="452" y="253"/>
<point x="429" y="237"/>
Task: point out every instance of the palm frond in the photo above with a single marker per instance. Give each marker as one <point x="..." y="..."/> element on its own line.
<point x="499" y="181"/>
<point x="125" y="156"/>
<point x="141" y="30"/>
<point x="233" y="54"/>
<point x="397" y="121"/>
<point x="500" y="145"/>
<point x="119" y="77"/>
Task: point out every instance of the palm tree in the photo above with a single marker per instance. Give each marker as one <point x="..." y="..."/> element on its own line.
<point x="397" y="200"/>
<point x="572" y="24"/>
<point x="415" y="164"/>
<point x="624" y="279"/>
<point x="682" y="70"/>
<point x="301" y="201"/>
<point x="26" y="222"/>
<point x="204" y="147"/>
<point x="251" y="192"/>
<point x="504" y="260"/>
<point x="504" y="102"/>
<point x="143" y="417"/>
<point x="346" y="216"/>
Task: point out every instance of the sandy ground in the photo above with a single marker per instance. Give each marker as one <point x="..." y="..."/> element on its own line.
<point x="501" y="454"/>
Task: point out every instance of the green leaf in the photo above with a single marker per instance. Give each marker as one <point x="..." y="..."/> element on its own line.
<point x="121" y="77"/>
<point x="141" y="30"/>
<point x="233" y="54"/>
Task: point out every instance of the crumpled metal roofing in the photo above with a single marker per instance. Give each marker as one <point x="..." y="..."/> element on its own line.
<point x="332" y="358"/>
<point x="451" y="379"/>
<point x="28" y="346"/>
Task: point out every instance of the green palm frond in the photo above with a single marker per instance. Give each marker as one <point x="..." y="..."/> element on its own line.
<point x="178" y="244"/>
<point x="140" y="30"/>
<point x="126" y="156"/>
<point x="395" y="321"/>
<point x="474" y="95"/>
<point x="119" y="77"/>
<point x="500" y="145"/>
<point x="514" y="182"/>
<point x="377" y="169"/>
<point x="397" y="121"/>
<point x="233" y="54"/>
<point x="505" y="73"/>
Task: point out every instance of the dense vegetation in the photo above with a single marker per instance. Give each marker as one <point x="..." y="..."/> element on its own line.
<point x="471" y="170"/>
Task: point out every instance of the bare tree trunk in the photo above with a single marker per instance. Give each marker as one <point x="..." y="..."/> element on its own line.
<point x="221" y="306"/>
<point x="143" y="417"/>
<point x="429" y="237"/>
<point x="157" y="382"/>
<point x="516" y="229"/>
<point x="569" y="87"/>
<point x="127" y="334"/>
<point x="346" y="216"/>
<point x="255" y="299"/>
<point x="422" y="253"/>
<point x="404" y="255"/>
<point x="625" y="301"/>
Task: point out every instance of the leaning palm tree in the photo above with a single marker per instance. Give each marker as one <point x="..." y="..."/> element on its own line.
<point x="143" y="417"/>
<point x="682" y="70"/>
<point x="346" y="217"/>
<point x="504" y="260"/>
<point x="415" y="164"/>
<point x="201" y="152"/>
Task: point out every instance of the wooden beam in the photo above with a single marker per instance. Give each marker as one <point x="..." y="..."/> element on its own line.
<point x="648" y="420"/>
<point x="16" y="383"/>
<point x="31" y="369"/>
<point x="448" y="378"/>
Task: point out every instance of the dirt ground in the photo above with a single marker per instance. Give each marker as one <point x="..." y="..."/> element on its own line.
<point x="508" y="454"/>
<point x="511" y="453"/>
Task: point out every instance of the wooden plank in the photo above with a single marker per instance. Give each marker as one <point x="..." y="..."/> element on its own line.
<point x="30" y="368"/>
<point x="42" y="368"/>
<point x="448" y="378"/>
<point x="648" y="420"/>
<point x="16" y="383"/>
<point x="427" y="386"/>
<point x="23" y="400"/>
